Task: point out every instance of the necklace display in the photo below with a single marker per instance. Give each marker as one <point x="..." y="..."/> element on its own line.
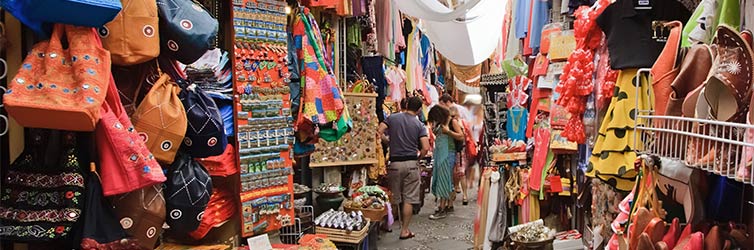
<point x="265" y="132"/>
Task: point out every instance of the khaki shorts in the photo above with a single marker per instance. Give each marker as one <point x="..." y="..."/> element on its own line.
<point x="405" y="182"/>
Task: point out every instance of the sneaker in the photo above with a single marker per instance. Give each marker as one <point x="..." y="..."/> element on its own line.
<point x="449" y="209"/>
<point x="438" y="215"/>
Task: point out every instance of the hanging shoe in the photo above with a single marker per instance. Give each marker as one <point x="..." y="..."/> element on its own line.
<point x="641" y="219"/>
<point x="727" y="93"/>
<point x="655" y="229"/>
<point x="714" y="239"/>
<point x="645" y="243"/>
<point x="671" y="237"/>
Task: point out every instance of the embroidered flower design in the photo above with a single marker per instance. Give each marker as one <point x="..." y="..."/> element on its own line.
<point x="732" y="67"/>
<point x="59" y="229"/>
<point x="69" y="194"/>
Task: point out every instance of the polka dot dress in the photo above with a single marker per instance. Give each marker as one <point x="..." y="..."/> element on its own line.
<point x="613" y="156"/>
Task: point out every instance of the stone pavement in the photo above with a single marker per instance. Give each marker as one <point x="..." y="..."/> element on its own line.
<point x="452" y="233"/>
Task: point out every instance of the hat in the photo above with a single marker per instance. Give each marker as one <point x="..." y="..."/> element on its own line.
<point x="471" y="38"/>
<point x="473" y="99"/>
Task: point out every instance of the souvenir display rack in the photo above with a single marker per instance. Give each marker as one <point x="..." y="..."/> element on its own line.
<point x="493" y="87"/>
<point x="263" y="117"/>
<point x="357" y="147"/>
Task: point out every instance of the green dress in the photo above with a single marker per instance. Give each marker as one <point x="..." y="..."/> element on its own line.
<point x="442" y="168"/>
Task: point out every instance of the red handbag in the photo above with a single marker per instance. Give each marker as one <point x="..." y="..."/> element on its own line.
<point x="60" y="88"/>
<point x="471" y="149"/>
<point x="125" y="161"/>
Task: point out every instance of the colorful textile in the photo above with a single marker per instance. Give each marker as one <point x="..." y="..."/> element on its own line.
<point x="321" y="99"/>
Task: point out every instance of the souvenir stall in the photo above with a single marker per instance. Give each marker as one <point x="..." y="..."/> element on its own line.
<point x="637" y="131"/>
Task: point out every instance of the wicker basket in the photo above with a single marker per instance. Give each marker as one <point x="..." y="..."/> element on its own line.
<point x="369" y="213"/>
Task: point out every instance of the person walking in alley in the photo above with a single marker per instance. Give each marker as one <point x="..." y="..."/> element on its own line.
<point x="444" y="158"/>
<point x="408" y="142"/>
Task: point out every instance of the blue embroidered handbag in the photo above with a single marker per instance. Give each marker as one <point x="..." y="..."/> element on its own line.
<point x="89" y="13"/>
<point x="205" y="135"/>
<point x="187" y="30"/>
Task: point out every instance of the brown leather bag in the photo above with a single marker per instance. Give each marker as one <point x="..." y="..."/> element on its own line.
<point x="161" y="120"/>
<point x="133" y="36"/>
<point x="142" y="213"/>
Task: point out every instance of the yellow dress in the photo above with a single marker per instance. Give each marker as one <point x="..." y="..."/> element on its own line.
<point x="614" y="153"/>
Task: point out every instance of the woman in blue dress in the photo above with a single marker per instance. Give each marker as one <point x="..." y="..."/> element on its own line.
<point x="444" y="155"/>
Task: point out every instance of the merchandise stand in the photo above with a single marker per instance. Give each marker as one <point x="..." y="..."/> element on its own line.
<point x="263" y="119"/>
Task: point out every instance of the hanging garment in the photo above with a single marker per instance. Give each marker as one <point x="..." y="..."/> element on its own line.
<point x="540" y="17"/>
<point x="500" y="222"/>
<point x="702" y="24"/>
<point x="375" y="73"/>
<point x="516" y="125"/>
<point x="613" y="156"/>
<point x="491" y="213"/>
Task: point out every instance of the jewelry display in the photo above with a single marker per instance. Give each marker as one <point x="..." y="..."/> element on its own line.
<point x="357" y="147"/>
<point x="265" y="124"/>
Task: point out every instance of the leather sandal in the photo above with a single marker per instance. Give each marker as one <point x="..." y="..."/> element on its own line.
<point x="727" y="92"/>
<point x="694" y="241"/>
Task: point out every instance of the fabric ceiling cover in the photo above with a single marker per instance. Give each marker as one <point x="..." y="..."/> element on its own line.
<point x="471" y="38"/>
<point x="434" y="10"/>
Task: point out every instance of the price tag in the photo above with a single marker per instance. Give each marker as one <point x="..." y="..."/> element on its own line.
<point x="260" y="242"/>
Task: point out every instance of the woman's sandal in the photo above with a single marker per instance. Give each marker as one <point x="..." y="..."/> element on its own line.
<point x="409" y="236"/>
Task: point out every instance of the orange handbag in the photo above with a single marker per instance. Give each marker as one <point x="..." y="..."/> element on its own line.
<point x="60" y="88"/>
<point x="161" y="120"/>
<point x="132" y="37"/>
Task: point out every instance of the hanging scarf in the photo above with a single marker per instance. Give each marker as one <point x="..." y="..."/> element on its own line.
<point x="466" y="78"/>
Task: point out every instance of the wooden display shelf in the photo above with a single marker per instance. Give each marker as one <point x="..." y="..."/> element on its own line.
<point x="343" y="236"/>
<point x="505" y="157"/>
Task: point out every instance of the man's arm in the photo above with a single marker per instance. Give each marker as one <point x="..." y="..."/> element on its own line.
<point x="424" y="140"/>
<point x="381" y="132"/>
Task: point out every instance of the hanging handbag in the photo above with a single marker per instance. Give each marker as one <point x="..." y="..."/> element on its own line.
<point x="220" y="208"/>
<point x="132" y="37"/>
<point x="142" y="213"/>
<point x="19" y="9"/>
<point x="161" y="120"/>
<point x="187" y="193"/>
<point x="88" y="13"/>
<point x="205" y="136"/>
<point x="126" y="163"/>
<point x="187" y="30"/>
<point x="60" y="88"/>
<point x="101" y="230"/>
<point x="42" y="196"/>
